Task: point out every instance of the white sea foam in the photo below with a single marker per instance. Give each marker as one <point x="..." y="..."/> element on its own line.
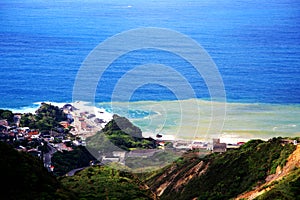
<point x="25" y="109"/>
<point x="101" y="113"/>
<point x="58" y="104"/>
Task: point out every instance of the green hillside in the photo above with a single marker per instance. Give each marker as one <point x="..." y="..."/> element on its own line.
<point x="66" y="161"/>
<point x="286" y="189"/>
<point x="216" y="176"/>
<point x="46" y="117"/>
<point x="7" y="115"/>
<point x="104" y="182"/>
<point x="118" y="134"/>
<point x="221" y="176"/>
<point x="24" y="177"/>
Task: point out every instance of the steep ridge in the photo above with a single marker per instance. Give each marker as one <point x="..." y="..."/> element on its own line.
<point x="180" y="178"/>
<point x="227" y="175"/>
<point x="292" y="162"/>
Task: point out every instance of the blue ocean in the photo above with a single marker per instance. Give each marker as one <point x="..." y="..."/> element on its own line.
<point x="254" y="44"/>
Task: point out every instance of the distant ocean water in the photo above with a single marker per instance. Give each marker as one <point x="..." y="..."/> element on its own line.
<point x="255" y="45"/>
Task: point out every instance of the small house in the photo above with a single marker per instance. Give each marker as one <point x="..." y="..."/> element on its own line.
<point x="3" y="122"/>
<point x="219" y="147"/>
<point x="65" y="124"/>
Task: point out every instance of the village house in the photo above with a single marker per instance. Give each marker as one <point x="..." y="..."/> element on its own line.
<point x="17" y="118"/>
<point x="216" y="146"/>
<point x="33" y="134"/>
<point x="289" y="141"/>
<point x="99" y="121"/>
<point x="3" y="122"/>
<point x="232" y="146"/>
<point x="185" y="145"/>
<point x="3" y="128"/>
<point x="198" y="145"/>
<point x="65" y="124"/>
<point x="165" y="138"/>
<point x="83" y="125"/>
<point x="219" y="147"/>
<point x="121" y="155"/>
<point x="106" y="159"/>
<point x="67" y="108"/>
<point x="295" y="142"/>
<point x="35" y="152"/>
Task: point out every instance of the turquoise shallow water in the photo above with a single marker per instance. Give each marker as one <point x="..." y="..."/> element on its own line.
<point x="191" y="119"/>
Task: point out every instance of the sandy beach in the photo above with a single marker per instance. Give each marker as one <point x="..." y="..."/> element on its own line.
<point x="88" y="119"/>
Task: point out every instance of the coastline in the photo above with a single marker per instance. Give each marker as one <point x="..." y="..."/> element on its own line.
<point x="244" y="121"/>
<point x="88" y="119"/>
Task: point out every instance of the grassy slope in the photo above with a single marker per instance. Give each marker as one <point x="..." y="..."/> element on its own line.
<point x="286" y="189"/>
<point x="24" y="177"/>
<point x="104" y="182"/>
<point x="119" y="134"/>
<point x="227" y="175"/>
<point x="68" y="160"/>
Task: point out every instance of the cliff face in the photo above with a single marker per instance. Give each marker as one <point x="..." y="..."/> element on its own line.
<point x="227" y="175"/>
<point x="175" y="179"/>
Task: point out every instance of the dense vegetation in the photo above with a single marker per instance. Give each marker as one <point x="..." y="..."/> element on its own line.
<point x="104" y="182"/>
<point x="66" y="161"/>
<point x="227" y="175"/>
<point x="119" y="133"/>
<point x="7" y="114"/>
<point x="46" y="117"/>
<point x="224" y="176"/>
<point x="286" y="189"/>
<point x="23" y="176"/>
<point x="152" y="163"/>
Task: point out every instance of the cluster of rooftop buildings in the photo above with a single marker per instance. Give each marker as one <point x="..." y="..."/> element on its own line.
<point x="214" y="145"/>
<point x="32" y="140"/>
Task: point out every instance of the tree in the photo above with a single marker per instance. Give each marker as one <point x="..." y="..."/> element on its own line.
<point x="7" y="114"/>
